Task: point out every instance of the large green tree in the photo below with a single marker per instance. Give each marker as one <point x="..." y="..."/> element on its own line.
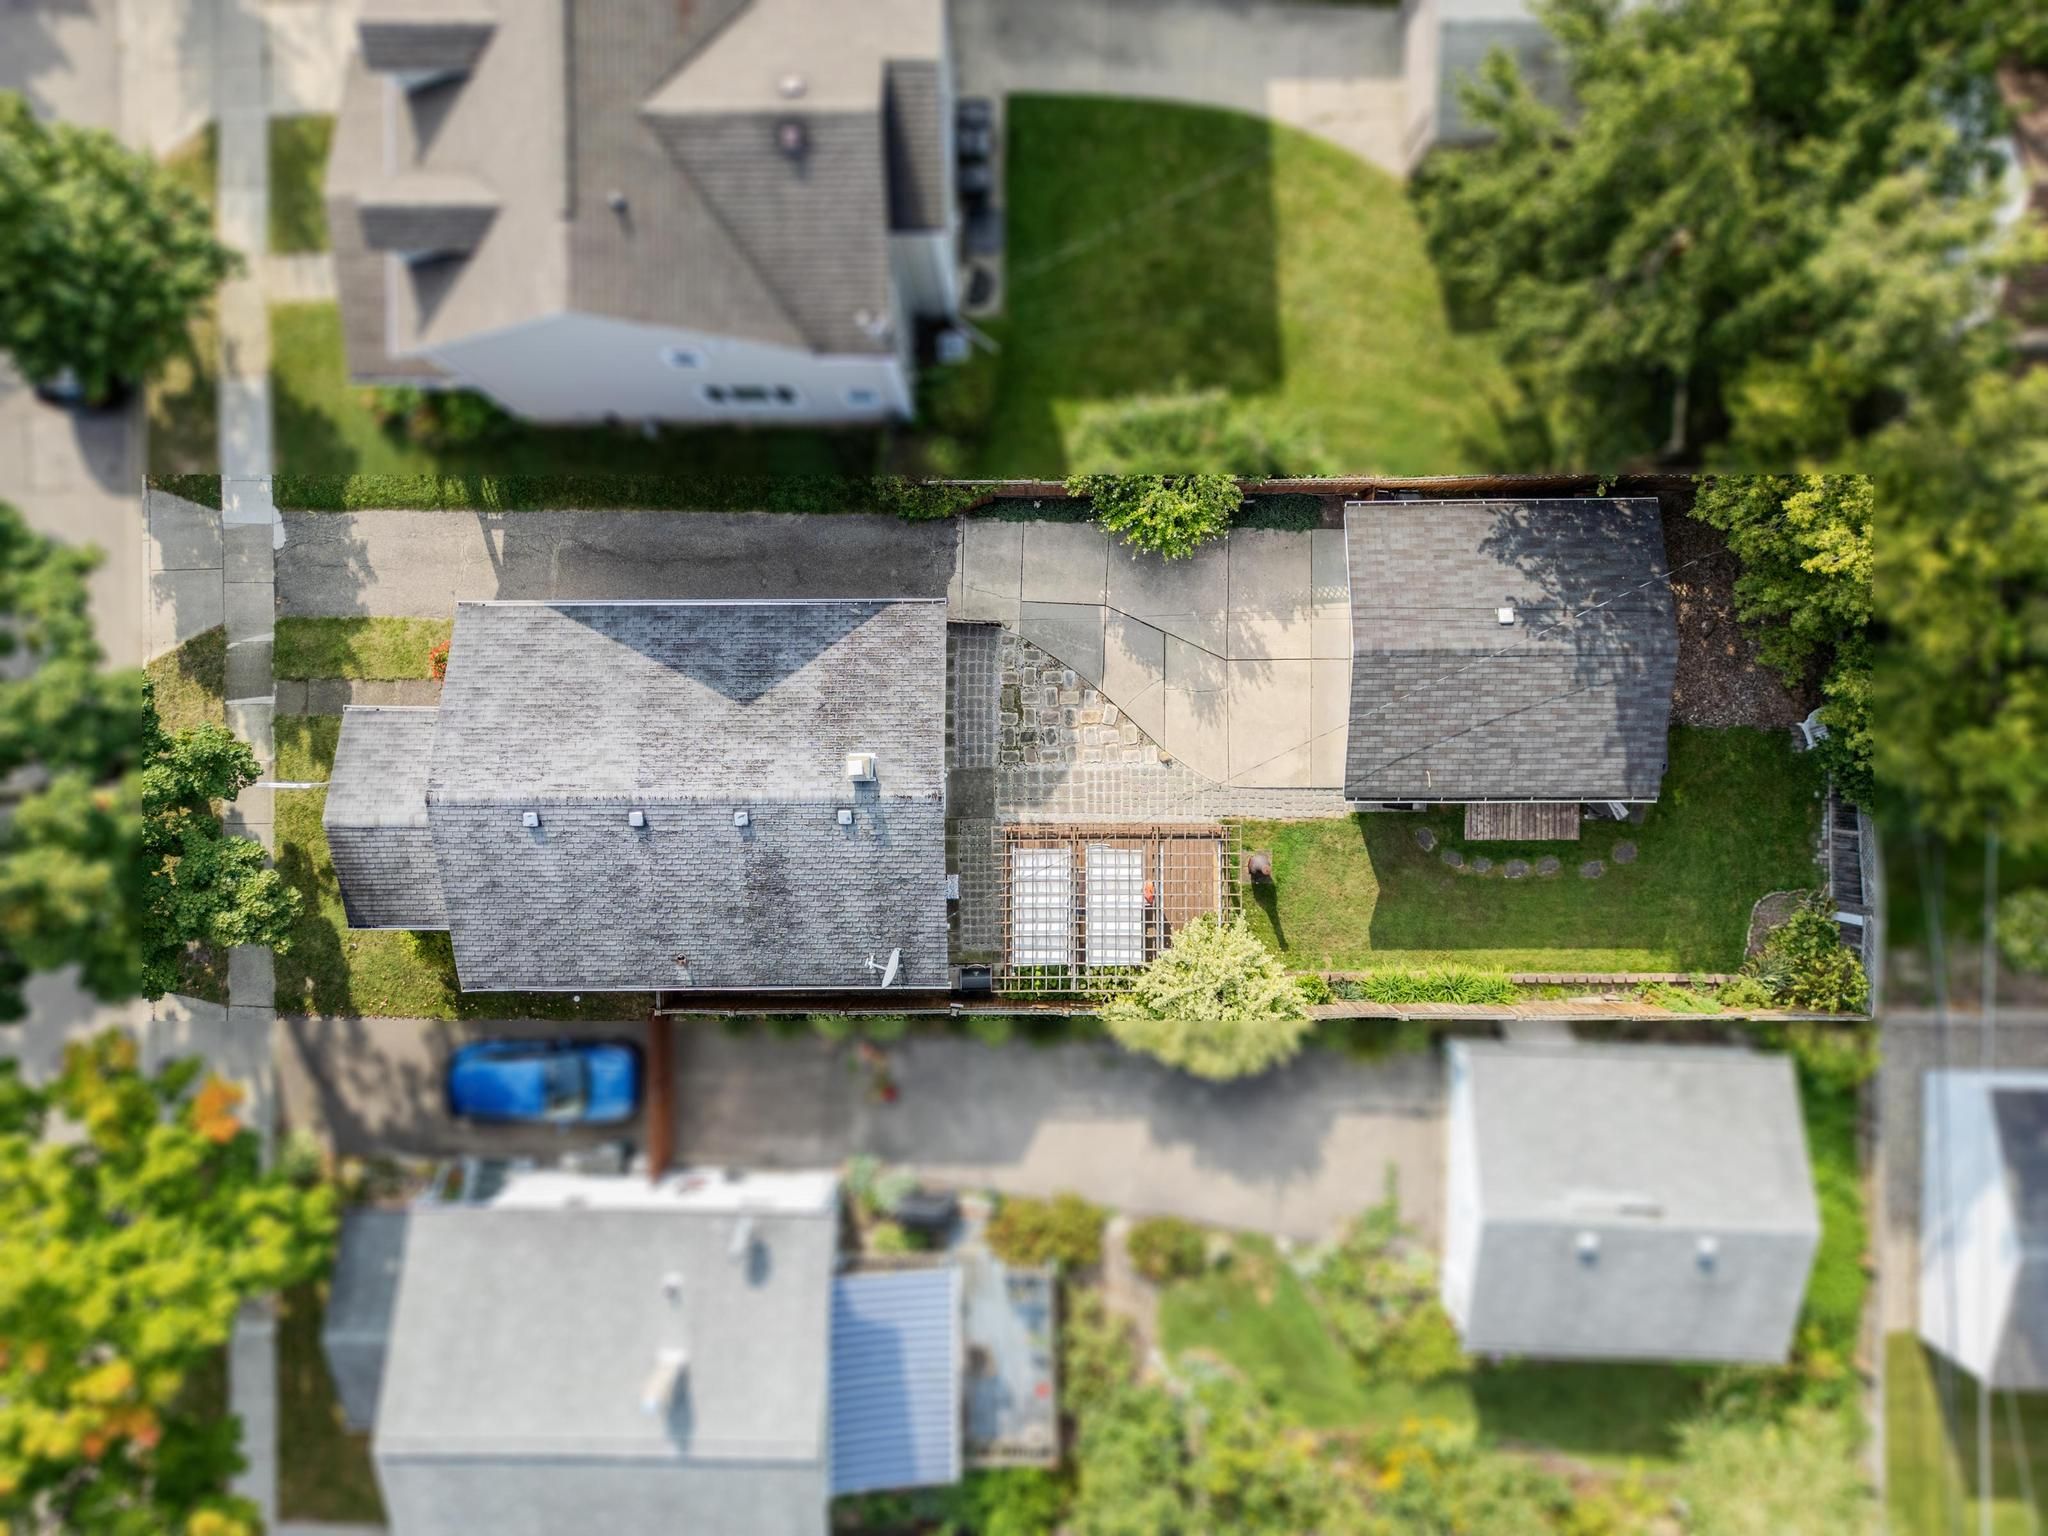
<point x="125" y="1252"/>
<point x="1217" y="1003"/>
<point x="1762" y="224"/>
<point x="103" y="258"/>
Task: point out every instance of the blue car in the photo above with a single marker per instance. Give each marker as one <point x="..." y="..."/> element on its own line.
<point x="552" y="1082"/>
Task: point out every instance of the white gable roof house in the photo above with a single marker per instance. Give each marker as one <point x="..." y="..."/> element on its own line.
<point x="1626" y="1202"/>
<point x="1984" y="1224"/>
<point x="575" y="1352"/>
<point x="647" y="210"/>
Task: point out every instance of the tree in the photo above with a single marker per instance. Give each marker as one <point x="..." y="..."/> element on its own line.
<point x="1961" y="667"/>
<point x="103" y="258"/>
<point x="204" y="886"/>
<point x="1764" y="223"/>
<point x="1805" y="546"/>
<point x="125" y="1253"/>
<point x="1217" y="1003"/>
<point x="1170" y="515"/>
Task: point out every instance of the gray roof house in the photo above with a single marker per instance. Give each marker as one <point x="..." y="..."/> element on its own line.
<point x="656" y="796"/>
<point x="690" y="210"/>
<point x="1626" y="1202"/>
<point x="1444" y="44"/>
<point x="1984" y="1224"/>
<point x="594" y="1353"/>
<point x="1508" y="651"/>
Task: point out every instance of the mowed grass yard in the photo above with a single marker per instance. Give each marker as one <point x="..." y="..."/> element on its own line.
<point x="1737" y="819"/>
<point x="1154" y="247"/>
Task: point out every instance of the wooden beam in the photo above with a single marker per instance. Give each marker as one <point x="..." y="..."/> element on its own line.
<point x="660" y="1095"/>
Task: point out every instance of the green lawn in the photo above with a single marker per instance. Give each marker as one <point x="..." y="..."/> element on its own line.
<point x="1737" y="819"/>
<point x="362" y="648"/>
<point x="191" y="682"/>
<point x="1931" y="1453"/>
<point x="298" y="181"/>
<point x="182" y="400"/>
<point x="323" y="1471"/>
<point x="323" y="426"/>
<point x="1154" y="247"/>
<point x="305" y="747"/>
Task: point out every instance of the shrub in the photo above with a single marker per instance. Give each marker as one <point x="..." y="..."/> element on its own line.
<point x="1217" y="1003"/>
<point x="1006" y="1501"/>
<point x="1170" y="515"/>
<point x="889" y="1239"/>
<point x="1434" y="984"/>
<point x="922" y="500"/>
<point x="1744" y="993"/>
<point x="438" y="418"/>
<point x="437" y="662"/>
<point x="1097" y="1355"/>
<point x="1165" y="1248"/>
<point x="990" y="1028"/>
<point x="1662" y="994"/>
<point x="1198" y="431"/>
<point x="1065" y="1228"/>
<point x="1805" y="965"/>
<point x="2023" y="931"/>
<point x="1375" y="1039"/>
<point x="1379" y="1290"/>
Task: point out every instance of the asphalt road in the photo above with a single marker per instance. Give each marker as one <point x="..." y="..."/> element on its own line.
<point x="419" y="564"/>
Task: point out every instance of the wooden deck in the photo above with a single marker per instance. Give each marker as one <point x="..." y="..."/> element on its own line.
<point x="1532" y="822"/>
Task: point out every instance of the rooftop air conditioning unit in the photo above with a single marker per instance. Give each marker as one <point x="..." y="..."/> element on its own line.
<point x="860" y="767"/>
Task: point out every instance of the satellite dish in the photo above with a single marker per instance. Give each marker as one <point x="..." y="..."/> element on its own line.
<point x="889" y="970"/>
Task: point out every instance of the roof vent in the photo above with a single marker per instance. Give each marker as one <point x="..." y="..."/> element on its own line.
<point x="846" y="815"/>
<point x="791" y="85"/>
<point x="740" y="818"/>
<point x="683" y="969"/>
<point x="792" y="137"/>
<point x="1505" y="613"/>
<point x="658" y="1396"/>
<point x="860" y="767"/>
<point x="529" y="819"/>
<point x="1707" y="1254"/>
<point x="636" y="819"/>
<point x="742" y="1240"/>
<point x="1588" y="1246"/>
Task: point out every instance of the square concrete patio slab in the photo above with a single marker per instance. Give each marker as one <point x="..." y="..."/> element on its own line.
<point x="1329" y="716"/>
<point x="183" y="604"/>
<point x="1065" y="563"/>
<point x="1270" y="594"/>
<point x="1269" y="723"/>
<point x="251" y="608"/>
<point x="1195" y="728"/>
<point x="248" y="669"/>
<point x="247" y="553"/>
<point x="990" y="572"/>
<point x="1189" y="597"/>
<point x="183" y="536"/>
<point x="1134" y="657"/>
<point x="1070" y="631"/>
<point x="1191" y="669"/>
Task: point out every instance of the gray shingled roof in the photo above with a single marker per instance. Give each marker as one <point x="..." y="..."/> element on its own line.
<point x="424" y="39"/>
<point x="1649" y="1150"/>
<point x="521" y="1343"/>
<point x="723" y="234"/>
<point x="1576" y="704"/>
<point x="376" y="819"/>
<point x="917" y="145"/>
<point x="686" y="712"/>
<point x="355" y="1329"/>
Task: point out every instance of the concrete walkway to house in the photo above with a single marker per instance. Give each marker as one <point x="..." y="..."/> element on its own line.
<point x="1236" y="660"/>
<point x="1331" y="70"/>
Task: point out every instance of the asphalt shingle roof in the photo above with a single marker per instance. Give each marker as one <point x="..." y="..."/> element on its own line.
<point x="917" y="145"/>
<point x="1448" y="704"/>
<point x="376" y="819"/>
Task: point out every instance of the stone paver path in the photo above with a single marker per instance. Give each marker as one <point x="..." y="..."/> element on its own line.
<point x="1236" y="660"/>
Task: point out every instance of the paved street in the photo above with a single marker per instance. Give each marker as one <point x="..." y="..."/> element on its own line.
<point x="419" y="564"/>
<point x="1294" y="1153"/>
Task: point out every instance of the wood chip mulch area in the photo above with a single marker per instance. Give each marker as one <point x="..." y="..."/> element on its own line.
<point x="1719" y="680"/>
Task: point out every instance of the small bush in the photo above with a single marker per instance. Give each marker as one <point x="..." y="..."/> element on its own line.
<point x="439" y="418"/>
<point x="1097" y="1356"/>
<point x="1434" y="984"/>
<point x="1805" y="964"/>
<point x="1662" y="994"/>
<point x="1379" y="1290"/>
<point x="1217" y="1003"/>
<point x="1065" y="1228"/>
<point x="1169" y="515"/>
<point x="1165" y="1248"/>
<point x="889" y="1239"/>
<point x="1743" y="994"/>
<point x="437" y="662"/>
<point x="2023" y="931"/>
<point x="990" y="1028"/>
<point x="923" y="500"/>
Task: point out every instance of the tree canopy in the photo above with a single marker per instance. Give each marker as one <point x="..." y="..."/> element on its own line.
<point x="125" y="1253"/>
<point x="1762" y="225"/>
<point x="1217" y="1003"/>
<point x="103" y="257"/>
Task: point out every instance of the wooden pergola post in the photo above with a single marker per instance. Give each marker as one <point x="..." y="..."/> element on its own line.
<point x="661" y="1094"/>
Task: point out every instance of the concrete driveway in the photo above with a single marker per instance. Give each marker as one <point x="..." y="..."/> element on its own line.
<point x="1331" y="70"/>
<point x="1295" y="1153"/>
<point x="419" y="564"/>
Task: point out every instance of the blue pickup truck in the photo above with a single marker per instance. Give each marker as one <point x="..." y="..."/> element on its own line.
<point x="558" y="1082"/>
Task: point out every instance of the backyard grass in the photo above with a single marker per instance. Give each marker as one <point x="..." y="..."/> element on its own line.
<point x="1737" y="819"/>
<point x="1155" y="247"/>
<point x="323" y="1470"/>
<point x="182" y="400"/>
<point x="305" y="747"/>
<point x="191" y="682"/>
<point x="361" y="648"/>
<point x="298" y="181"/>
<point x="1931" y="1453"/>
<point x="322" y="425"/>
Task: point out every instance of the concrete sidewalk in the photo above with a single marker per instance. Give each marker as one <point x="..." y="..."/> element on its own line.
<point x="1236" y="660"/>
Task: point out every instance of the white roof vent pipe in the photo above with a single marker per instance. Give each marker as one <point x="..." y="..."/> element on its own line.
<point x="860" y="767"/>
<point x="1588" y="1246"/>
<point x="658" y="1395"/>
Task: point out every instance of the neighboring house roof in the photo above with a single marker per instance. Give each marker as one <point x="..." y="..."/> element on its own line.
<point x="897" y="1373"/>
<point x="673" y="112"/>
<point x="376" y="819"/>
<point x="1569" y="702"/>
<point x="581" y="713"/>
<point x="1626" y="1202"/>
<point x="355" y="1328"/>
<point x="529" y="1334"/>
<point x="1984" y="1224"/>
